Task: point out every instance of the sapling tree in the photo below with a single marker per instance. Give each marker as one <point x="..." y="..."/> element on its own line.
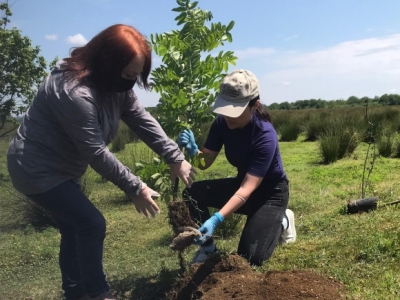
<point x="188" y="78"/>
<point x="370" y="156"/>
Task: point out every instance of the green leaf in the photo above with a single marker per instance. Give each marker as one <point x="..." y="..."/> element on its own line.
<point x="139" y="166"/>
<point x="193" y="4"/>
<point x="230" y="25"/>
<point x="159" y="181"/>
<point x="181" y="22"/>
<point x="155" y="176"/>
<point x="229" y="37"/>
<point x="179" y="9"/>
<point x="181" y="16"/>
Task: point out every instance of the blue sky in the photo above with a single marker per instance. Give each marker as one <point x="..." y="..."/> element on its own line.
<point x="298" y="49"/>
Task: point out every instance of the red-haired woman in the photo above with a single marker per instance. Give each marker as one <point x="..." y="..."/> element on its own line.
<point x="73" y="117"/>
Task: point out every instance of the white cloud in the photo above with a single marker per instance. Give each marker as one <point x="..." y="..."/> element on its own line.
<point x="76" y="40"/>
<point x="254" y="52"/>
<point x="365" y="67"/>
<point x="51" y="37"/>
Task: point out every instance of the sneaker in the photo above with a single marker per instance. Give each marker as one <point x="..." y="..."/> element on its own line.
<point x="202" y="254"/>
<point x="288" y="235"/>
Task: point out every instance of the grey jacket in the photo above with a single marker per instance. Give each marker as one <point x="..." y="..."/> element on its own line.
<point x="68" y="127"/>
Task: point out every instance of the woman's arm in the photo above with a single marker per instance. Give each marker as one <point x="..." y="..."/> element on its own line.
<point x="248" y="186"/>
<point x="149" y="130"/>
<point x="209" y="158"/>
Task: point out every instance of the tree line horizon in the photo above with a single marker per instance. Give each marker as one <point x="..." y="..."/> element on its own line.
<point x="384" y="100"/>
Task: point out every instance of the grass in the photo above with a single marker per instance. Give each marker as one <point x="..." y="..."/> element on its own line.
<point x="362" y="251"/>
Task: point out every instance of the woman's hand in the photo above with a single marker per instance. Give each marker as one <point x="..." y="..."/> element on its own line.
<point x="144" y="202"/>
<point x="184" y="171"/>
<point x="207" y="229"/>
<point x="186" y="139"/>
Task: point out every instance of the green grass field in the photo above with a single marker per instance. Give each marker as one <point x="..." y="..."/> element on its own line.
<point x="362" y="251"/>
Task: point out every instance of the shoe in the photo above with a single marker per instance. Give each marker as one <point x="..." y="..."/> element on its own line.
<point x="109" y="295"/>
<point x="202" y="254"/>
<point x="80" y="297"/>
<point x="288" y="235"/>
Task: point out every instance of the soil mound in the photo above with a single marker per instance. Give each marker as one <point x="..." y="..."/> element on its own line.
<point x="231" y="277"/>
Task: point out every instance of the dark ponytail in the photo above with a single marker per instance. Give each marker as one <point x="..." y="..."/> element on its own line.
<point x="260" y="111"/>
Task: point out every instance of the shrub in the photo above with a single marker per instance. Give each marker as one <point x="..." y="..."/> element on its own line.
<point x="290" y="130"/>
<point x="396" y="150"/>
<point x="329" y="144"/>
<point x="314" y="128"/>
<point x="156" y="175"/>
<point x="339" y="139"/>
<point x="385" y="144"/>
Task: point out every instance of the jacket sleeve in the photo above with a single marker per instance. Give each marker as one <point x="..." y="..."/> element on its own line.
<point x="146" y="127"/>
<point x="78" y="114"/>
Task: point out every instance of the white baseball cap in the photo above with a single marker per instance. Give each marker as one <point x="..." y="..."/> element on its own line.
<point x="235" y="92"/>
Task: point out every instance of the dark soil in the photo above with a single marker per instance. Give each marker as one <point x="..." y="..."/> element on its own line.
<point x="178" y="214"/>
<point x="231" y="277"/>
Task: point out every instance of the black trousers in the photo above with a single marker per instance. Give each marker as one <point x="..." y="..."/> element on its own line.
<point x="264" y="210"/>
<point x="83" y="229"/>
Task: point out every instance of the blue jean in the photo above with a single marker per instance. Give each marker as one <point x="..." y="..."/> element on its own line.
<point x="264" y="209"/>
<point x="83" y="229"/>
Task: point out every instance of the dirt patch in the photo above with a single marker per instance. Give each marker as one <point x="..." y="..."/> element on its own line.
<point x="231" y="277"/>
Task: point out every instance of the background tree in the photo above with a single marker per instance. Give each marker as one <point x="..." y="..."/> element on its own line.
<point x="21" y="71"/>
<point x="187" y="81"/>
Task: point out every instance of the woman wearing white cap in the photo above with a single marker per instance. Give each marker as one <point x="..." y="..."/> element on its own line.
<point x="260" y="189"/>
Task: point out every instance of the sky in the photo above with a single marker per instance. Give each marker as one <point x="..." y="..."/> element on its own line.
<point x="298" y="49"/>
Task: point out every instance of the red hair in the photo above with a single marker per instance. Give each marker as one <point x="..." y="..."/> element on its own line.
<point x="107" y="54"/>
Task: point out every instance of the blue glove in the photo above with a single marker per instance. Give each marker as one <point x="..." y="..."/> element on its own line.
<point x="186" y="139"/>
<point x="208" y="228"/>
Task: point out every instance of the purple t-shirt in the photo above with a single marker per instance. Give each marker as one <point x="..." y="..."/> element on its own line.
<point x="253" y="149"/>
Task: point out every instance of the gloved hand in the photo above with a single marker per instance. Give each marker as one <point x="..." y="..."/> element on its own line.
<point x="186" y="139"/>
<point x="184" y="171"/>
<point x="144" y="203"/>
<point x="207" y="229"/>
